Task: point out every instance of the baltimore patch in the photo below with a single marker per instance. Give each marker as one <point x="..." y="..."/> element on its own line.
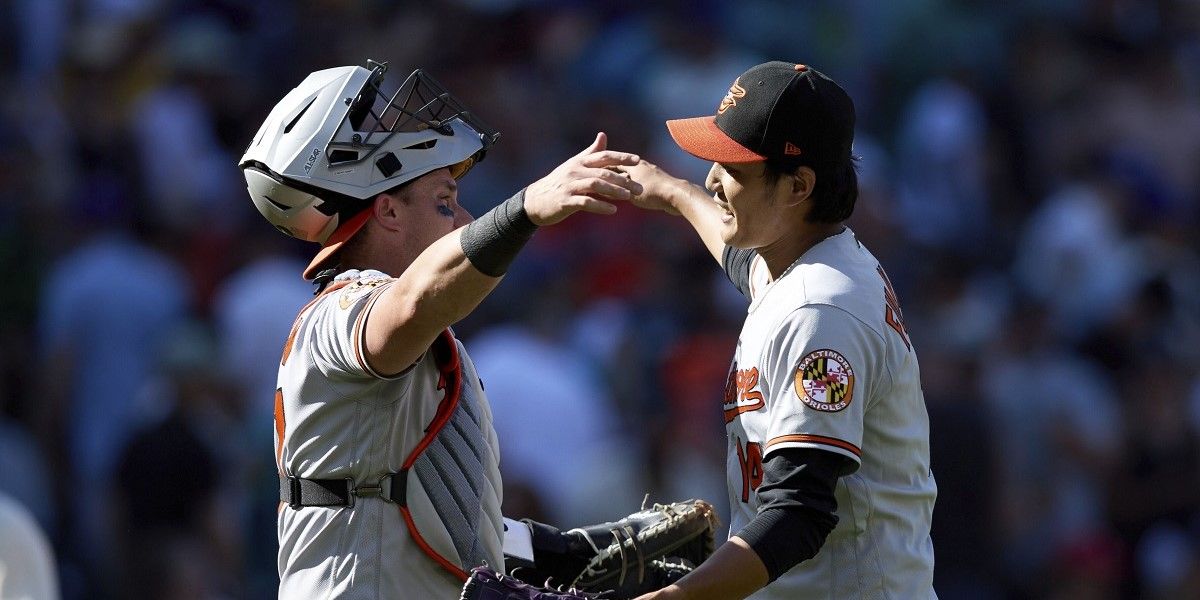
<point x="825" y="381"/>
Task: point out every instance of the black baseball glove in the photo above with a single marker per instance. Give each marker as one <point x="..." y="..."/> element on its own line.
<point x="485" y="584"/>
<point x="645" y="551"/>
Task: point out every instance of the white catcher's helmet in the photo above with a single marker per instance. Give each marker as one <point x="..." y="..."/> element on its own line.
<point x="337" y="140"/>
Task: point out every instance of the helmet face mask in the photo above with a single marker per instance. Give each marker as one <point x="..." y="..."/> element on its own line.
<point x="419" y="104"/>
<point x="338" y="139"/>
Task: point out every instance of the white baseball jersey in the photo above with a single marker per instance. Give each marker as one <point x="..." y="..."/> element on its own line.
<point x="824" y="361"/>
<point x="336" y="418"/>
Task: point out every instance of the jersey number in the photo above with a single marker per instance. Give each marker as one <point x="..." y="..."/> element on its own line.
<point x="280" y="428"/>
<point x="751" y="463"/>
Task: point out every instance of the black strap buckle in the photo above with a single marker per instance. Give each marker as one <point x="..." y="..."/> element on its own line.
<point x="293" y="484"/>
<point x="389" y="488"/>
<point x="298" y="492"/>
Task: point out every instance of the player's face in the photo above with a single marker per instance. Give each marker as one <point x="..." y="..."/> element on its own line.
<point x="752" y="216"/>
<point x="431" y="203"/>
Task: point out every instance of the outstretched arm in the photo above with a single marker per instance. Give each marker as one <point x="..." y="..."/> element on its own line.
<point x="662" y="191"/>
<point x="454" y="274"/>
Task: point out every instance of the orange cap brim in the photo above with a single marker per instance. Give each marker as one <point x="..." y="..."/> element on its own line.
<point x="344" y="232"/>
<point x="701" y="138"/>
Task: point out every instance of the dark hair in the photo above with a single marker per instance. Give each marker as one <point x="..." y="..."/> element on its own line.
<point x="835" y="192"/>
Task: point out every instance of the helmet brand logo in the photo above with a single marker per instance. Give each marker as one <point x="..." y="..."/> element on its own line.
<point x="735" y="91"/>
<point x="312" y="158"/>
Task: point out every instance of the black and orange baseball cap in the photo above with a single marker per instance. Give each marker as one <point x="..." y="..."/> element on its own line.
<point x="788" y="113"/>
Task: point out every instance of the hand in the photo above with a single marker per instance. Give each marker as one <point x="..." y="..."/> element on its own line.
<point x="671" y="592"/>
<point x="658" y="186"/>
<point x="583" y="182"/>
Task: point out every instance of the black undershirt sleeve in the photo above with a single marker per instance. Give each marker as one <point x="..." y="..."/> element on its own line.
<point x="736" y="262"/>
<point x="797" y="508"/>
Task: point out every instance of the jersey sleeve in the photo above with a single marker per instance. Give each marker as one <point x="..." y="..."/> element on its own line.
<point x="337" y="325"/>
<point x="746" y="269"/>
<point x="736" y="262"/>
<point x="820" y="373"/>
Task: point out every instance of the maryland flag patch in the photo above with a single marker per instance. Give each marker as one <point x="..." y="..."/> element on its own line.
<point x="358" y="289"/>
<point x="825" y="381"/>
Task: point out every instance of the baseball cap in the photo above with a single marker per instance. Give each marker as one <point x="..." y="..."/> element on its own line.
<point x="329" y="249"/>
<point x="791" y="114"/>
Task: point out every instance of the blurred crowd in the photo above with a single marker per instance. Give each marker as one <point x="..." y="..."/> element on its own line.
<point x="1030" y="178"/>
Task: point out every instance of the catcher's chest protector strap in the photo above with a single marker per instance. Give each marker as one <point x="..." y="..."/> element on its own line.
<point x="297" y="492"/>
<point x="450" y="465"/>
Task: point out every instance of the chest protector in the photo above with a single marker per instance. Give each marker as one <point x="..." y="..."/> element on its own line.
<point x="451" y="477"/>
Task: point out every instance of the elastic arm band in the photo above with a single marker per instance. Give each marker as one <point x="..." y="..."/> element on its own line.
<point x="492" y="241"/>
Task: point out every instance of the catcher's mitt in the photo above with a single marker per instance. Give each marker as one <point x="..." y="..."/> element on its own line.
<point x="649" y="549"/>
<point x="486" y="584"/>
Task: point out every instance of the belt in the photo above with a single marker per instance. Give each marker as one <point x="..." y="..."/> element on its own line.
<point x="297" y="492"/>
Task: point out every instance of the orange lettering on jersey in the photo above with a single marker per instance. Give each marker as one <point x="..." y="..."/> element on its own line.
<point x="747" y="398"/>
<point x="280" y="428"/>
<point x="894" y="317"/>
<point x="291" y="339"/>
<point x="751" y="462"/>
<point x="735" y="91"/>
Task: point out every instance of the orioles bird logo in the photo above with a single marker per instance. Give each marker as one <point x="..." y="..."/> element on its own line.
<point x="735" y="91"/>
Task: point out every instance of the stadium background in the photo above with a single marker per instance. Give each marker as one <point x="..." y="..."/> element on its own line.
<point x="1030" y="179"/>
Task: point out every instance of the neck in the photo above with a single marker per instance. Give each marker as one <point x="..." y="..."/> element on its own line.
<point x="391" y="261"/>
<point x="780" y="255"/>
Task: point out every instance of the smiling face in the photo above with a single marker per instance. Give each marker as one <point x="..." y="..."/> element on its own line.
<point x="754" y="206"/>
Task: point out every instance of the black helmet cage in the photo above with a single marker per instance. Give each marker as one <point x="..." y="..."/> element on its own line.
<point x="419" y="103"/>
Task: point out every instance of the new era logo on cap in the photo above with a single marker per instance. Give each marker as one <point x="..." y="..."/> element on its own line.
<point x="788" y="113"/>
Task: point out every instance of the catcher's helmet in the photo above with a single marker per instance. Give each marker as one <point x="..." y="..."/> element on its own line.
<point x="337" y="140"/>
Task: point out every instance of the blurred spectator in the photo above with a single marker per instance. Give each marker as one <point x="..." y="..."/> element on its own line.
<point x="556" y="427"/>
<point x="106" y="308"/>
<point x="1074" y="257"/>
<point x="177" y="532"/>
<point x="1057" y="433"/>
<point x="253" y="312"/>
<point x="187" y="170"/>
<point x="942" y="196"/>
<point x="27" y="570"/>
<point x="26" y="473"/>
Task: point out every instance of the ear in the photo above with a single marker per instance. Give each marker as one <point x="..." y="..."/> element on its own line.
<point x="389" y="211"/>
<point x="802" y="183"/>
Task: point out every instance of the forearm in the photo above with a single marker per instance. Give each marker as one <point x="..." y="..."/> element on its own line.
<point x="444" y="284"/>
<point x="797" y="511"/>
<point x="701" y="212"/>
<point x="733" y="572"/>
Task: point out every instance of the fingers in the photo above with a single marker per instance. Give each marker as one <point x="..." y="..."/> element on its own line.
<point x="604" y="189"/>
<point x="609" y="158"/>
<point x="592" y="205"/>
<point x="602" y="182"/>
<point x="597" y="145"/>
<point x="618" y="178"/>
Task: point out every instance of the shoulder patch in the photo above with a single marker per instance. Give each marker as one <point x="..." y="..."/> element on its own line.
<point x="825" y="381"/>
<point x="358" y="289"/>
